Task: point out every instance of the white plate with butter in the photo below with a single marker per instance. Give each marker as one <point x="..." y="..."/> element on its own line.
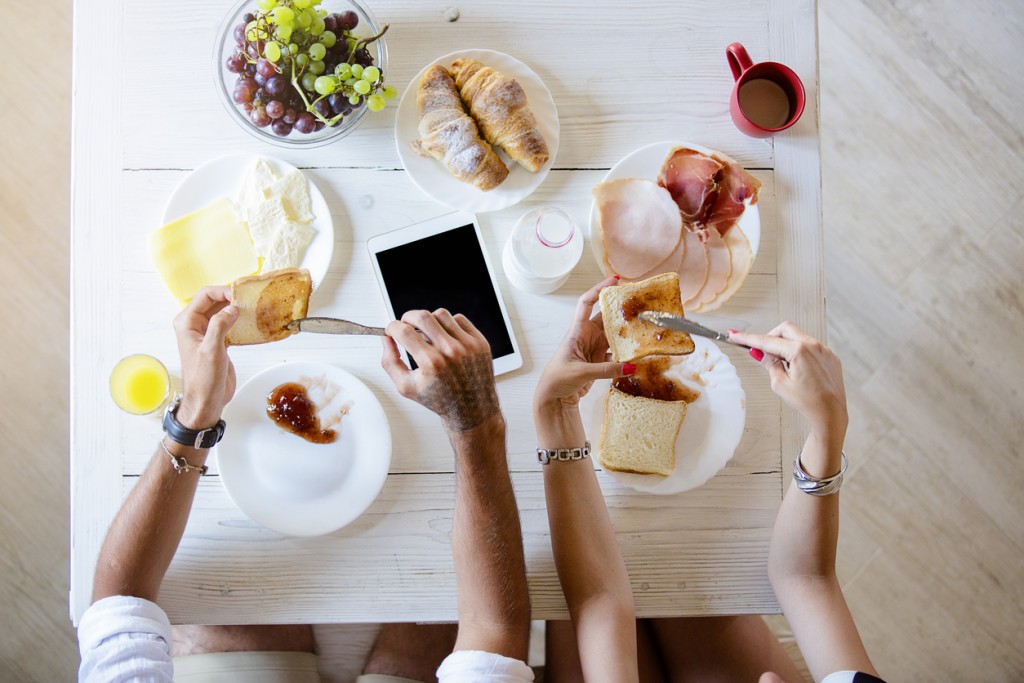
<point x="291" y="485"/>
<point x="222" y="179"/>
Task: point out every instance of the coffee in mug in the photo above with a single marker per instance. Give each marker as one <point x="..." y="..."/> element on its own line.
<point x="768" y="97"/>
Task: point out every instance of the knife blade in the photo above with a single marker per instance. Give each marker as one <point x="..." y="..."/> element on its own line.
<point x="332" y="326"/>
<point x="675" y="322"/>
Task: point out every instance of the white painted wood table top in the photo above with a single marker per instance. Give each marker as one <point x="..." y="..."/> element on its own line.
<point x="623" y="75"/>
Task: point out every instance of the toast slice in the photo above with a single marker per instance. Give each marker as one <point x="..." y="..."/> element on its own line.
<point x="267" y="303"/>
<point x="631" y="338"/>
<point x="639" y="434"/>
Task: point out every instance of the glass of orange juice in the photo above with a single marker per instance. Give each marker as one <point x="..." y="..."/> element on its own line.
<point x="140" y="384"/>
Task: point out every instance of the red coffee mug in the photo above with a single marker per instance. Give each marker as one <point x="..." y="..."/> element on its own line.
<point x="768" y="97"/>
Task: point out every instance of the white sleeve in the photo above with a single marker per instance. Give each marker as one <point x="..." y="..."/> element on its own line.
<point x="123" y="638"/>
<point x="473" y="666"/>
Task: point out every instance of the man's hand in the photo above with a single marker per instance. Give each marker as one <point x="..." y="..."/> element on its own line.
<point x="207" y="375"/>
<point x="580" y="359"/>
<point x="455" y="377"/>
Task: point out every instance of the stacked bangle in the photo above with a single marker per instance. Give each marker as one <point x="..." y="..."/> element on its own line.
<point x="813" y="485"/>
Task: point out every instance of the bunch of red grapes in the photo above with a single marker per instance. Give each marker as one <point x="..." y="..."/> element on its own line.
<point x="266" y="65"/>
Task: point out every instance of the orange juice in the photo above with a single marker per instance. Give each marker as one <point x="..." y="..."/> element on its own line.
<point x="139" y="384"/>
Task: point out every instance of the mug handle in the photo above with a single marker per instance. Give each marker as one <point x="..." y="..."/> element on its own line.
<point x="739" y="60"/>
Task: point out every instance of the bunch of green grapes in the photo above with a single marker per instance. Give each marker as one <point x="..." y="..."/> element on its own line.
<point x="301" y="68"/>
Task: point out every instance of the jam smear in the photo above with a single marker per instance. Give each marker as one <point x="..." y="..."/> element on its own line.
<point x="290" y="407"/>
<point x="649" y="381"/>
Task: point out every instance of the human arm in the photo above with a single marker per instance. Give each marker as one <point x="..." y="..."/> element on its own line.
<point x="455" y="379"/>
<point x="146" y="531"/>
<point x="590" y="566"/>
<point x="802" y="555"/>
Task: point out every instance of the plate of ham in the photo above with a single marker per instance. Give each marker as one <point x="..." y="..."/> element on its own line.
<point x="679" y="207"/>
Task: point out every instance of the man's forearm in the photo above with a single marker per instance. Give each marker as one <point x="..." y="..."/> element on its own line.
<point x="146" y="532"/>
<point x="493" y="600"/>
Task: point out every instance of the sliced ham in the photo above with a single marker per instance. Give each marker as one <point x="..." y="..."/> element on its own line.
<point x="640" y="225"/>
<point x="693" y="270"/>
<point x="741" y="258"/>
<point x="719" y="268"/>
<point x="670" y="264"/>
<point x="691" y="178"/>
<point x="735" y="186"/>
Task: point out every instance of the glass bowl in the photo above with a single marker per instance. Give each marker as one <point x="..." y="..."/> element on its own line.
<point x="225" y="46"/>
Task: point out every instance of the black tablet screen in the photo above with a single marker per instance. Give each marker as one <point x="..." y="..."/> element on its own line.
<point x="446" y="270"/>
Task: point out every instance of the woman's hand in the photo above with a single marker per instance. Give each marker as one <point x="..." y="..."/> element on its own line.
<point x="804" y="373"/>
<point x="207" y="375"/>
<point x="580" y="359"/>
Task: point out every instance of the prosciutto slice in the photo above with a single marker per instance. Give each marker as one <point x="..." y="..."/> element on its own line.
<point x="692" y="180"/>
<point x="719" y="268"/>
<point x="640" y="225"/>
<point x="735" y="186"/>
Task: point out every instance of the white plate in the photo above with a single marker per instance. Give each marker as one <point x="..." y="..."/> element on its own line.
<point x="711" y="430"/>
<point x="223" y="177"/>
<point x="290" y="485"/>
<point x="646" y="162"/>
<point x="431" y="176"/>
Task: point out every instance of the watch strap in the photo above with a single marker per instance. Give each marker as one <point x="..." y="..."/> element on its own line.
<point x="193" y="438"/>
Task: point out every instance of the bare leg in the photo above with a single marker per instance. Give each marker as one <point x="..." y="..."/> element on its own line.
<point x="411" y="650"/>
<point x="197" y="640"/>
<point x="562" y="657"/>
<point x="711" y="649"/>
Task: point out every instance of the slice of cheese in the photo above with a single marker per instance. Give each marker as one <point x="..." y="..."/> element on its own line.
<point x="253" y="188"/>
<point x="288" y="246"/>
<point x="207" y="247"/>
<point x="264" y="220"/>
<point x="293" y="190"/>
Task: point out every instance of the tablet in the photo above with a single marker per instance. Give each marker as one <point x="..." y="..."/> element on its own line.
<point x="441" y="263"/>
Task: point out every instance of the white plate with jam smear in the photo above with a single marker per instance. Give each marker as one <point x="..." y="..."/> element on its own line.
<point x="711" y="430"/>
<point x="291" y="485"/>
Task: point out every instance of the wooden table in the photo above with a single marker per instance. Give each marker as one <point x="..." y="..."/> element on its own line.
<point x="623" y="75"/>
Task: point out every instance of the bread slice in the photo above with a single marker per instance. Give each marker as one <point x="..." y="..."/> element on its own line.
<point x="267" y="303"/>
<point x="631" y="338"/>
<point x="639" y="434"/>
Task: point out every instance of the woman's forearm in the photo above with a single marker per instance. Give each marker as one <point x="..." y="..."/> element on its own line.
<point x="807" y="527"/>
<point x="589" y="562"/>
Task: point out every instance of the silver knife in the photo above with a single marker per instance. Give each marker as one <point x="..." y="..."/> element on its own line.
<point x="332" y="326"/>
<point x="675" y="322"/>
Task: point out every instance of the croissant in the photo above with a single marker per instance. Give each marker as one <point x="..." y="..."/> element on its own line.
<point x="448" y="134"/>
<point x="499" y="105"/>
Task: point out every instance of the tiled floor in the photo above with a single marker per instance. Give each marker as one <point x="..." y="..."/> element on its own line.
<point x="923" y="158"/>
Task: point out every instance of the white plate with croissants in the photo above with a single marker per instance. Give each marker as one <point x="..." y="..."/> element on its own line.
<point x="477" y="130"/>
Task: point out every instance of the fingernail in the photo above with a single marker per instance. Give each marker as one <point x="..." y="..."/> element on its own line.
<point x="628" y="369"/>
<point x="733" y="331"/>
<point x="618" y="277"/>
<point x="757" y="354"/>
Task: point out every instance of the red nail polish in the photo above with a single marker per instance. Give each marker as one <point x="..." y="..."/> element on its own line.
<point x="733" y="331"/>
<point x="757" y="354"/>
<point x="628" y="369"/>
<point x="618" y="277"/>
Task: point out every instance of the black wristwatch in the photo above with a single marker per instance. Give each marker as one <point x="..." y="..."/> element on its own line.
<point x="178" y="433"/>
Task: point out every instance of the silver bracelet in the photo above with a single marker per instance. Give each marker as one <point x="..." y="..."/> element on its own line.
<point x="818" y="487"/>
<point x="546" y="455"/>
<point x="181" y="465"/>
